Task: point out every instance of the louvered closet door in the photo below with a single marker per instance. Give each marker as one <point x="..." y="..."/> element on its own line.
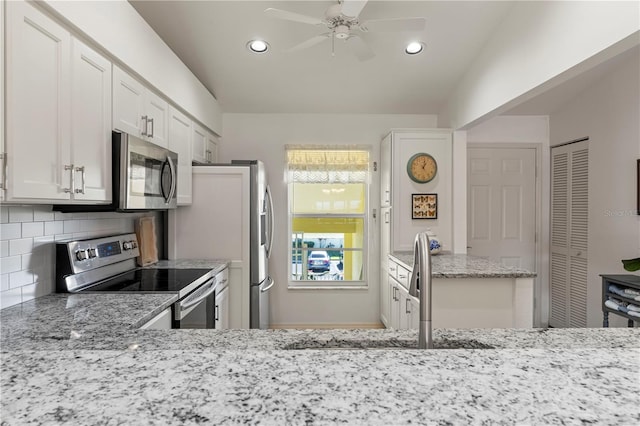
<point x="569" y="235"/>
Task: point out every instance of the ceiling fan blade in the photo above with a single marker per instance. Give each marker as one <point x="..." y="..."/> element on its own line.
<point x="308" y="43"/>
<point x="358" y="47"/>
<point x="353" y="7"/>
<point x="291" y="16"/>
<point x="394" y="24"/>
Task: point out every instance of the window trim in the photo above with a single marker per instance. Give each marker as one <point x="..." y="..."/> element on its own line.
<point x="314" y="285"/>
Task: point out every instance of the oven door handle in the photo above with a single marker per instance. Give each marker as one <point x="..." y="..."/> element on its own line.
<point x="200" y="294"/>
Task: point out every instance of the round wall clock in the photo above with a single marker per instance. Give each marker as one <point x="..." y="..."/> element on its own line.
<point x="422" y="168"/>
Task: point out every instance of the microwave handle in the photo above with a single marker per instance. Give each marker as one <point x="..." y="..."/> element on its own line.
<point x="174" y="180"/>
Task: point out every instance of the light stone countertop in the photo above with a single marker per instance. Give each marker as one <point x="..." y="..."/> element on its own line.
<point x="80" y="359"/>
<point x="215" y="265"/>
<point x="446" y="265"/>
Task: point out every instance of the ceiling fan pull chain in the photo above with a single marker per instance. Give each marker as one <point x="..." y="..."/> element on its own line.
<point x="333" y="43"/>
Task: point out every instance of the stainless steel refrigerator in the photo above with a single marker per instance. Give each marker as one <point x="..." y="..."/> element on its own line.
<point x="226" y="200"/>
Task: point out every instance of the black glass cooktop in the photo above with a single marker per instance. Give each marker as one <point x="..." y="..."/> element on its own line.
<point x="150" y="281"/>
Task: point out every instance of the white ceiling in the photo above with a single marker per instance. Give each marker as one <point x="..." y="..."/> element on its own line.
<point x="210" y="38"/>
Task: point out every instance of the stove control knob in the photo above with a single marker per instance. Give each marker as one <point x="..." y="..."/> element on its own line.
<point x="92" y="253"/>
<point x="81" y="255"/>
<point x="127" y="245"/>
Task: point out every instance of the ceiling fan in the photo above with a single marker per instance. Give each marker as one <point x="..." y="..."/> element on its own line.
<point x="342" y="21"/>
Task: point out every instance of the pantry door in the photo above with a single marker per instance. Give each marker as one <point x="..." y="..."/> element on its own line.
<point x="501" y="200"/>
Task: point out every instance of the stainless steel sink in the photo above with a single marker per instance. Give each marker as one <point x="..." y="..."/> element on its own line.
<point x="391" y="344"/>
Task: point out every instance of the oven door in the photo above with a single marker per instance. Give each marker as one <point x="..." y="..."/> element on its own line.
<point x="197" y="309"/>
<point x="148" y="175"/>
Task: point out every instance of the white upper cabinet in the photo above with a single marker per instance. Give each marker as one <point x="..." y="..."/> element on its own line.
<point x="205" y="145"/>
<point x="180" y="142"/>
<point x="157" y="119"/>
<point x="139" y="111"/>
<point x="91" y="123"/>
<point x="128" y="103"/>
<point x="38" y="134"/>
<point x="58" y="99"/>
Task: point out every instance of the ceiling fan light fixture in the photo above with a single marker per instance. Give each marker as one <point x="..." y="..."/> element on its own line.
<point x="414" y="48"/>
<point x="258" y="46"/>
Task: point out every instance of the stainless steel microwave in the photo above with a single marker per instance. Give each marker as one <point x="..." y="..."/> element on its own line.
<point x="144" y="177"/>
<point x="146" y="174"/>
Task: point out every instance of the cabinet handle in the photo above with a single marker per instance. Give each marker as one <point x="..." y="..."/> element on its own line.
<point x="152" y="128"/>
<point x="72" y="180"/>
<point x="217" y="313"/>
<point x="402" y="277"/>
<point x="394" y="293"/>
<point x="208" y="153"/>
<point x="84" y="180"/>
<point x="407" y="307"/>
<point x="386" y="198"/>
<point x="387" y="217"/>
<point x="146" y="123"/>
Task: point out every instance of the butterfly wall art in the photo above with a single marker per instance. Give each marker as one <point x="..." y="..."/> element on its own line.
<point x="424" y="206"/>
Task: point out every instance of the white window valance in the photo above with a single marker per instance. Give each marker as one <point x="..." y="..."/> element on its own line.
<point x="348" y="164"/>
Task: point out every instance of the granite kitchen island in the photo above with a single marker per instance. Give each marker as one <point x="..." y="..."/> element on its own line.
<point x="81" y="359"/>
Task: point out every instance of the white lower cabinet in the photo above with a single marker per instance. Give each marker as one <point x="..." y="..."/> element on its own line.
<point x="404" y="309"/>
<point x="162" y="321"/>
<point x="58" y="98"/>
<point x="180" y="142"/>
<point x="222" y="306"/>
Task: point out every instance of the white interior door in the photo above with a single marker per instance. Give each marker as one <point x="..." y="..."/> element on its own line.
<point x="501" y="191"/>
<point x="569" y="235"/>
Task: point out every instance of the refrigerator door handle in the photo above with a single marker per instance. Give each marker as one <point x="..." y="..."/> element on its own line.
<point x="271" y="284"/>
<point x="271" y="222"/>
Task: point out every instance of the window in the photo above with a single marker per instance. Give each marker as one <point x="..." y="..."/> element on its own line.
<point x="328" y="189"/>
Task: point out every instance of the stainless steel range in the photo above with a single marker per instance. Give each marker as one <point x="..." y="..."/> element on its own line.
<point x="108" y="264"/>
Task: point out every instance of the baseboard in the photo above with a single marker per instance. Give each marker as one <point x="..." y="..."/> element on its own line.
<point x="326" y="326"/>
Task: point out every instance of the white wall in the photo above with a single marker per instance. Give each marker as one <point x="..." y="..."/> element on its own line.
<point x="263" y="137"/>
<point x="118" y="28"/>
<point x="537" y="46"/>
<point x="608" y="113"/>
<point x="516" y="129"/>
<point x="27" y="245"/>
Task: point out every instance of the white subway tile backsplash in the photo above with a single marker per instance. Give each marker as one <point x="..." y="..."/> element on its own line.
<point x="10" y="297"/>
<point x="4" y="282"/>
<point x="53" y="228"/>
<point x="27" y="245"/>
<point x="42" y="214"/>
<point x="33" y="229"/>
<point x="34" y="290"/>
<point x="22" y="246"/>
<point x="10" y="231"/>
<point x="10" y="264"/>
<point x="20" y="214"/>
<point x="71" y="226"/>
<point x="20" y="278"/>
<point x="27" y="259"/>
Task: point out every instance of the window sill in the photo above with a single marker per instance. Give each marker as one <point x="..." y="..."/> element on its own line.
<point x="360" y="285"/>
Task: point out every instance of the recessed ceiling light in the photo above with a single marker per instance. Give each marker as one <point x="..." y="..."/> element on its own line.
<point x="258" y="46"/>
<point x="414" y="48"/>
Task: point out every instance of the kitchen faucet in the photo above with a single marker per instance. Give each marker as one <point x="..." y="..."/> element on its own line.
<point x="421" y="275"/>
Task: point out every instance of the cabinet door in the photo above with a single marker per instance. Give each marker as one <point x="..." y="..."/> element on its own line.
<point x="222" y="309"/>
<point x="90" y="123"/>
<point x="37" y="105"/>
<point x="404" y="307"/>
<point x="156" y="111"/>
<point x="385" y="172"/>
<point x="395" y="303"/>
<point x="180" y="142"/>
<point x="385" y="299"/>
<point x="199" y="143"/>
<point x="128" y="103"/>
<point x="211" y="152"/>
